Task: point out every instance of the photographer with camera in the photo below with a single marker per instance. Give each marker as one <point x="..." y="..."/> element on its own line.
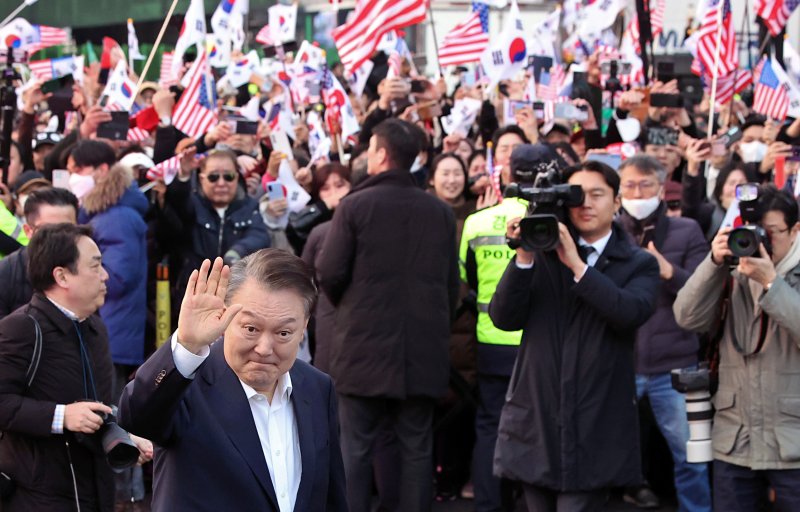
<point x="569" y="427"/>
<point x="755" y="304"/>
<point x="55" y="381"/>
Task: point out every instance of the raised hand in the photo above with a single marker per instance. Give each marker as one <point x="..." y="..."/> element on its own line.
<point x="204" y="316"/>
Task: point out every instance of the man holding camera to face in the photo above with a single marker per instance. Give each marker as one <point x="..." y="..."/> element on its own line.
<point x="755" y="303"/>
<point x="569" y="430"/>
<point x="55" y="382"/>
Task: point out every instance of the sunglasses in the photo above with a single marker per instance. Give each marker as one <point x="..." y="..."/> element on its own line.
<point x="215" y="176"/>
<point x="674" y="205"/>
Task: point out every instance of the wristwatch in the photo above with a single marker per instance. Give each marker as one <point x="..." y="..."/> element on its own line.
<point x="165" y="121"/>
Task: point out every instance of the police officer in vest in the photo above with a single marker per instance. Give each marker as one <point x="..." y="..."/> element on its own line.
<point x="483" y="257"/>
<point x="12" y="236"/>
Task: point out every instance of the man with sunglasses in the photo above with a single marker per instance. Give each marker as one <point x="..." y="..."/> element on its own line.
<point x="661" y="345"/>
<point x="210" y="215"/>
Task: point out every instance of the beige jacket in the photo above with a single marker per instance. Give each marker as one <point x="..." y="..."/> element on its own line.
<point x="757" y="420"/>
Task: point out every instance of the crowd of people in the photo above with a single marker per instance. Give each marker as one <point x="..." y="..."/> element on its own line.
<point x="464" y="360"/>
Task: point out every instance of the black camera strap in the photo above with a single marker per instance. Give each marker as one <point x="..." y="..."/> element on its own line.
<point x="762" y="337"/>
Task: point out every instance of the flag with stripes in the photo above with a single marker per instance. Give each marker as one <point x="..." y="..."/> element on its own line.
<point x="195" y="112"/>
<point x="657" y="10"/>
<point x="549" y="84"/>
<point x="264" y="36"/>
<point x="166" y="76"/>
<point x="166" y="170"/>
<point x="730" y="85"/>
<point x="771" y="97"/>
<point x="467" y="41"/>
<point x="137" y="134"/>
<point x="49" y="69"/>
<point x="358" y="38"/>
<point x="47" y="37"/>
<point x="706" y="39"/>
<point x="775" y="13"/>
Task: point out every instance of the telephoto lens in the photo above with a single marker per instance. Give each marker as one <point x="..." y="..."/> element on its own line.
<point x="694" y="383"/>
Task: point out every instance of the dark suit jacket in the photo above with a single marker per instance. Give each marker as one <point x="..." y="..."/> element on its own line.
<point x="208" y="455"/>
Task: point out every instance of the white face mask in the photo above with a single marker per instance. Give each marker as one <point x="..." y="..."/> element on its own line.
<point x="753" y="151"/>
<point x="640" y="209"/>
<point x="80" y="185"/>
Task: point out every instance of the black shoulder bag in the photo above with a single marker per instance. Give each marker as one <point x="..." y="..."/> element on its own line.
<point x="7" y="485"/>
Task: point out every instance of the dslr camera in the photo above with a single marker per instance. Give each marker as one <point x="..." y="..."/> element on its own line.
<point x="112" y="441"/>
<point x="695" y="383"/>
<point x="745" y="240"/>
<point x="548" y="200"/>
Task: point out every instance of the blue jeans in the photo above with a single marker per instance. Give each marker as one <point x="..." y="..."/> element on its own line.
<point x="741" y="489"/>
<point x="669" y="410"/>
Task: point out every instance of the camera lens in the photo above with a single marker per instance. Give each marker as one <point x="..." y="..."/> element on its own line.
<point x="743" y="242"/>
<point x="539" y="232"/>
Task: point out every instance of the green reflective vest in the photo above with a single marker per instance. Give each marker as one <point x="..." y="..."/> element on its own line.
<point x="483" y="242"/>
<point x="12" y="227"/>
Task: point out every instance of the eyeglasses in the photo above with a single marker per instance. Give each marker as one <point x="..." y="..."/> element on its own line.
<point x="772" y="232"/>
<point x="674" y="205"/>
<point x="643" y="186"/>
<point x="215" y="176"/>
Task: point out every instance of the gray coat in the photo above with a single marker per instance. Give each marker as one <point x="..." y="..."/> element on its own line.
<point x="757" y="420"/>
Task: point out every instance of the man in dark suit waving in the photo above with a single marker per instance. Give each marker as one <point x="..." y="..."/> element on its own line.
<point x="237" y="422"/>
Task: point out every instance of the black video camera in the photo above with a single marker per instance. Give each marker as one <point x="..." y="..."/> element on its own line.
<point x="745" y="240"/>
<point x="548" y="200"/>
<point x="112" y="441"/>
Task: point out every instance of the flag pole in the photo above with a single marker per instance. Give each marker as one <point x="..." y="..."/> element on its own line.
<point x="155" y="47"/>
<point x="435" y="41"/>
<point x="16" y="11"/>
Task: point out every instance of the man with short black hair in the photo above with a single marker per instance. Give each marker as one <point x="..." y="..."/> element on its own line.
<point x="569" y="426"/>
<point x="42" y="207"/>
<point x="389" y="267"/>
<point x="88" y="162"/>
<point x="52" y="468"/>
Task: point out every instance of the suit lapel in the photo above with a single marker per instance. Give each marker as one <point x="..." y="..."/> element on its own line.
<point x="225" y="394"/>
<point x="305" y="430"/>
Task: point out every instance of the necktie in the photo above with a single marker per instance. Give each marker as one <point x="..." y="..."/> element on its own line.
<point x="585" y="251"/>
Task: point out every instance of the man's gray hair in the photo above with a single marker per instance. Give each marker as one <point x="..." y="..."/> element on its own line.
<point x="275" y="269"/>
<point x="646" y="164"/>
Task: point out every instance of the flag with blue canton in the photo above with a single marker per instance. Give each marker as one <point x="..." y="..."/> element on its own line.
<point x="768" y="76"/>
<point x="206" y="86"/>
<point x="483" y="13"/>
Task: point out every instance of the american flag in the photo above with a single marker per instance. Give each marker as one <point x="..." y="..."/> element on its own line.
<point x="358" y="38"/>
<point x="775" y="13"/>
<point x="395" y="63"/>
<point x="729" y="85"/>
<point x="43" y="69"/>
<point x="467" y="41"/>
<point x="550" y="83"/>
<point x="195" y="111"/>
<point x="707" y="39"/>
<point x="771" y="98"/>
<point x="48" y="36"/>
<point x="165" y="170"/>
<point x="166" y="77"/>
<point x="657" y="16"/>
<point x="137" y="134"/>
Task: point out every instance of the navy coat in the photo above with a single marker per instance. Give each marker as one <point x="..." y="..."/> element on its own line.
<point x="570" y="419"/>
<point x="208" y="455"/>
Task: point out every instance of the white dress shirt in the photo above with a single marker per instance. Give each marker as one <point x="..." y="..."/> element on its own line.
<point x="599" y="246"/>
<point x="275" y="423"/>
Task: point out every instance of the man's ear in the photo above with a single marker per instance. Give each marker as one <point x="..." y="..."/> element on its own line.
<point x="28" y="229"/>
<point x="60" y="277"/>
